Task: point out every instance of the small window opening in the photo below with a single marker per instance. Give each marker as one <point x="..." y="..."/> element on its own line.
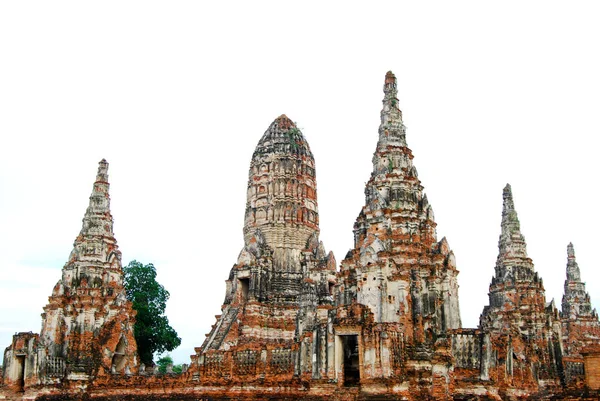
<point x="331" y="286"/>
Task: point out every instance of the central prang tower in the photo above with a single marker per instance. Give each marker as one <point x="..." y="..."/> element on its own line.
<point x="283" y="275"/>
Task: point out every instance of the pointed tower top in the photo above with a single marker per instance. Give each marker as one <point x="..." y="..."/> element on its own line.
<point x="102" y="175"/>
<point x="283" y="122"/>
<point x="390" y="80"/>
<point x="507" y="194"/>
<point x="570" y="251"/>
<point x="510" y="220"/>
<point x="390" y="91"/>
<point x="95" y="247"/>
<point x="576" y="303"/>
<point x="282" y="136"/>
<point x="391" y="130"/>
<point x="97" y="219"/>
<point x="573" y="272"/>
<point x="512" y="246"/>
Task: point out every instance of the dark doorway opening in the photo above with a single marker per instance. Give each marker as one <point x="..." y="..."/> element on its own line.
<point x="245" y="285"/>
<point x="20" y="360"/>
<point x="351" y="364"/>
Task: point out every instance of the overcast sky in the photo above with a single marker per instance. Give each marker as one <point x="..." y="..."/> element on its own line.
<point x="176" y="95"/>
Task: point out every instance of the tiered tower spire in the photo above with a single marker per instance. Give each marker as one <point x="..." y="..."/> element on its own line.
<point x="397" y="267"/>
<point x="392" y="129"/>
<point x="517" y="320"/>
<point x="581" y="327"/>
<point x="88" y="320"/>
<point x="573" y="272"/>
<point x="512" y="248"/>
<point x="516" y="293"/>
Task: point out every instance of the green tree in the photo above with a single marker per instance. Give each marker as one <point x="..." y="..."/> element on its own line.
<point x="165" y="361"/>
<point x="152" y="330"/>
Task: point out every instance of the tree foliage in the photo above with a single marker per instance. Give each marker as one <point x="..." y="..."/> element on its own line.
<point x="165" y="361"/>
<point x="152" y="330"/>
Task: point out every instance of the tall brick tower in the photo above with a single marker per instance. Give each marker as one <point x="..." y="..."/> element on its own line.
<point x="580" y="325"/>
<point x="516" y="292"/>
<point x="397" y="267"/>
<point x="524" y="330"/>
<point x="283" y="274"/>
<point x="87" y="325"/>
<point x="397" y="296"/>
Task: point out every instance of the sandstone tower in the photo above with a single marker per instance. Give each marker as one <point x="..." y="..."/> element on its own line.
<point x="397" y="267"/>
<point x="516" y="293"/>
<point x="523" y="330"/>
<point x="398" y="290"/>
<point x="283" y="274"/>
<point x="88" y="321"/>
<point x="580" y="325"/>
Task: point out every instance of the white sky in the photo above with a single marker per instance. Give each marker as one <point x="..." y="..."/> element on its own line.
<point x="176" y="95"/>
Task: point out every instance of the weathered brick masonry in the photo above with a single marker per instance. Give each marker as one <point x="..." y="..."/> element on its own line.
<point x="386" y="325"/>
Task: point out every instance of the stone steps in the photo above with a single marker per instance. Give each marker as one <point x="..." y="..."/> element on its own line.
<point x="226" y="323"/>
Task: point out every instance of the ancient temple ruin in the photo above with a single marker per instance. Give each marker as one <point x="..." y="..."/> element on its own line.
<point x="385" y="324"/>
<point x="87" y="326"/>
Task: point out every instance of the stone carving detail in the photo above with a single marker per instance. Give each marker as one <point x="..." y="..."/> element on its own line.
<point x="245" y="363"/>
<point x="281" y="360"/>
<point x="466" y="348"/>
<point x="213" y="364"/>
<point x="55" y="366"/>
<point x="397" y="351"/>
